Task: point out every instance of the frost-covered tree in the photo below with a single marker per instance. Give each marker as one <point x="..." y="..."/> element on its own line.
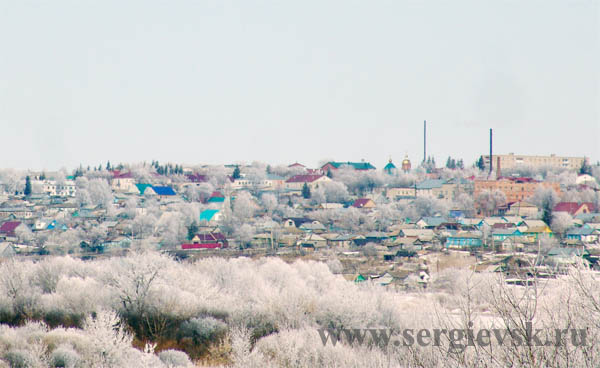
<point x="359" y="182"/>
<point x="244" y="234"/>
<point x="244" y="206"/>
<point x="129" y="208"/>
<point x="97" y="235"/>
<point x="93" y="192"/>
<point x="335" y="191"/>
<point x="545" y="198"/>
<point x="269" y="202"/>
<point x="425" y="206"/>
<point x="143" y="225"/>
<point x="198" y="193"/>
<point x="24" y="233"/>
<point x="386" y="215"/>
<point x="561" y="222"/>
<point x="317" y="196"/>
<point x="11" y="180"/>
<point x="465" y="203"/>
<point x="489" y="201"/>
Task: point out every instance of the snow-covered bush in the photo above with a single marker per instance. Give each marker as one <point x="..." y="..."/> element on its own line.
<point x="65" y="356"/>
<point x="174" y="358"/>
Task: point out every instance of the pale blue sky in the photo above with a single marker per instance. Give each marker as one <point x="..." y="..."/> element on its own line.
<point x="221" y="81"/>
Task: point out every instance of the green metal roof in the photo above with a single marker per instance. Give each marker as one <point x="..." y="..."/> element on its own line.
<point x="355" y="165"/>
<point x="142" y="187"/>
<point x="216" y="200"/>
<point x="207" y="215"/>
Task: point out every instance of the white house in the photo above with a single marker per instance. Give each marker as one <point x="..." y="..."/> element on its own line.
<point x="123" y="183"/>
<point x="312" y="181"/>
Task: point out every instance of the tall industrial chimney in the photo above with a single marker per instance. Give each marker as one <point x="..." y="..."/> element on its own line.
<point x="491" y="162"/>
<point x="424" y="141"/>
<point x="498" y="170"/>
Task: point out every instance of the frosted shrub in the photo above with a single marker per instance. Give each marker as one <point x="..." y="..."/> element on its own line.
<point x="335" y="266"/>
<point x="109" y="340"/>
<point x="18" y="358"/>
<point x="304" y="348"/>
<point x="174" y="358"/>
<point x="203" y="328"/>
<point x="64" y="356"/>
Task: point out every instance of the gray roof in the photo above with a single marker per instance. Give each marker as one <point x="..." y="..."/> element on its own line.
<point x="430" y="184"/>
<point x="434" y="221"/>
<point x="508" y="231"/>
<point x="580" y="231"/>
<point x="588" y="217"/>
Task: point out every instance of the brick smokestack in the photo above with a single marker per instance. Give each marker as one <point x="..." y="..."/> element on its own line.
<point x="498" y="172"/>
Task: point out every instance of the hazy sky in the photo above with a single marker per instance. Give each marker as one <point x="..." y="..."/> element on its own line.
<point x="282" y="81"/>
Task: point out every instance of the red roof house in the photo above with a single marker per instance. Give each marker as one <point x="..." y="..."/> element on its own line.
<point x="197" y="178"/>
<point x="211" y="238"/>
<point x="201" y="246"/>
<point x="8" y="228"/>
<point x="304" y="178"/>
<point x="574" y="208"/>
<point x="363" y="203"/>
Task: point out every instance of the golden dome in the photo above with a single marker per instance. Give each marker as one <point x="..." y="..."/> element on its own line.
<point x="406" y="164"/>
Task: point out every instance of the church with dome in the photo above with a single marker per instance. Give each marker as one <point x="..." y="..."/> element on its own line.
<point x="406" y="164"/>
<point x="391" y="169"/>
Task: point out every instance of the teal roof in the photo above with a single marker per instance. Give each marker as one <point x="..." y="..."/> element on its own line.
<point x="142" y="187"/>
<point x="389" y="167"/>
<point x="207" y="215"/>
<point x="510" y="231"/>
<point x="355" y="165"/>
<point x="216" y="200"/>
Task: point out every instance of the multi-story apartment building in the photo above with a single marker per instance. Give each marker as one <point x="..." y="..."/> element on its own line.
<point x="515" y="189"/>
<point x="65" y="188"/>
<point x="432" y="188"/>
<point x="269" y="182"/>
<point x="512" y="161"/>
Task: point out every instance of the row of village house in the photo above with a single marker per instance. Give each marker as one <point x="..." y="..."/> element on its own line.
<point x="39" y="216"/>
<point x="453" y="232"/>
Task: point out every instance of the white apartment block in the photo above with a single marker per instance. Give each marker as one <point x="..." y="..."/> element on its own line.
<point x="53" y="188"/>
<point x="512" y="161"/>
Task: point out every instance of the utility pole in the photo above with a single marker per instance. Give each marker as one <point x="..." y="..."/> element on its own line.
<point x="491" y="161"/>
